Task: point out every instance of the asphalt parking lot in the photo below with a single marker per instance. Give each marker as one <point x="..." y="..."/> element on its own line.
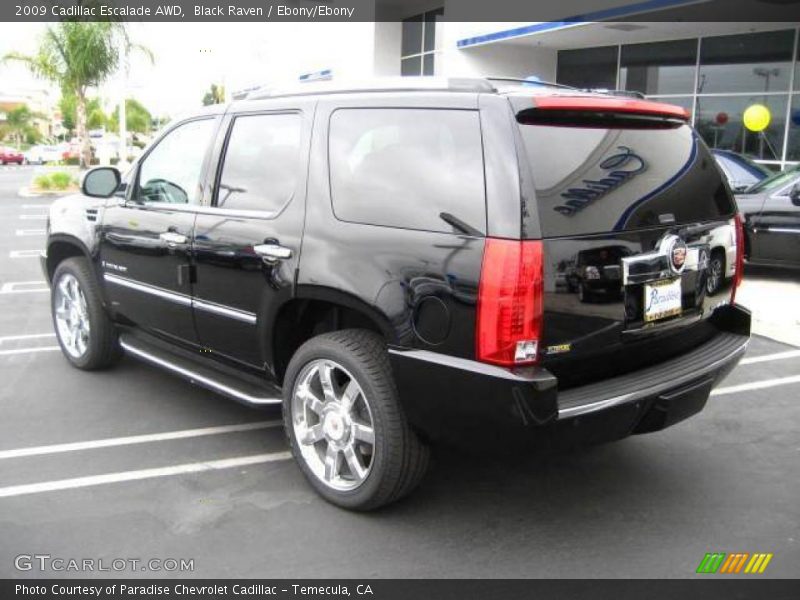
<point x="134" y="463"/>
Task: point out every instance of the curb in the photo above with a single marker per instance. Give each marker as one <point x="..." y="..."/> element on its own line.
<point x="26" y="192"/>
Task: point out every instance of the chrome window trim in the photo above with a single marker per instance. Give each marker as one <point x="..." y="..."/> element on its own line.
<point x="183" y="299"/>
<point x="203" y="210"/>
<point x="783" y="230"/>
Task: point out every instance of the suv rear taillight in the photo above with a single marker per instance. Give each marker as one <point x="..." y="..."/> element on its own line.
<point x="739" y="274"/>
<point x="510" y="302"/>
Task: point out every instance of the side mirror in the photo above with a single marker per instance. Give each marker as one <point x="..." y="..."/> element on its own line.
<point x="101" y="182"/>
<point x="794" y="194"/>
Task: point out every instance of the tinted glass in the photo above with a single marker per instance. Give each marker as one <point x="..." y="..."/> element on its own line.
<point x="755" y="62"/>
<point x="793" y="151"/>
<point x="171" y="172"/>
<point x="431" y="18"/>
<point x="593" y="180"/>
<point x="588" y="68"/>
<point x="261" y="163"/>
<point x="660" y="68"/>
<point x="411" y="66"/>
<point x="775" y="182"/>
<point x="412" y="36"/>
<point x="427" y="64"/>
<point x="720" y="120"/>
<point x="403" y="167"/>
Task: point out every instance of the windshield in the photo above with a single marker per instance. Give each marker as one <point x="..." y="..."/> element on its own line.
<point x="771" y="183"/>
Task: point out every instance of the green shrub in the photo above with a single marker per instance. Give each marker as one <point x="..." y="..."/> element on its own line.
<point x="60" y="180"/>
<point x="42" y="182"/>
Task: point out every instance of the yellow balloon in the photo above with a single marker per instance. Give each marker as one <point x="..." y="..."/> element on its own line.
<point x="757" y="117"/>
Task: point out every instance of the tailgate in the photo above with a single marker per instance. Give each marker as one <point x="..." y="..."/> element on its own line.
<point x="631" y="208"/>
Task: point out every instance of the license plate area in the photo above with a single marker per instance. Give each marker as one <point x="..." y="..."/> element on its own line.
<point x="662" y="299"/>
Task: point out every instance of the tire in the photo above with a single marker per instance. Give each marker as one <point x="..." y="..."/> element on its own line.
<point x="395" y="462"/>
<point x="716" y="273"/>
<point x="98" y="347"/>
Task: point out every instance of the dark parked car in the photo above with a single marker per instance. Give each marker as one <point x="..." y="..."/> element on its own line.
<point x="741" y="171"/>
<point x="598" y="272"/>
<point x="9" y="155"/>
<point x="771" y="213"/>
<point x="380" y="263"/>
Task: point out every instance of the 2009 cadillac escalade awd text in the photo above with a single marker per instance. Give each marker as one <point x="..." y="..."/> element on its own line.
<point x="392" y="264"/>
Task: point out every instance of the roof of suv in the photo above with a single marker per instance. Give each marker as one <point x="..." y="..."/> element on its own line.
<point x="487" y="85"/>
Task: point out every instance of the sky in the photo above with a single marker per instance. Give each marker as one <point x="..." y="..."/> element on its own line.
<point x="189" y="57"/>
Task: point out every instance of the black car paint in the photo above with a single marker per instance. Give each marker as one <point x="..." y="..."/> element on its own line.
<point x="418" y="288"/>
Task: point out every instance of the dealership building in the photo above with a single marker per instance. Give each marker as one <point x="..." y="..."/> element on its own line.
<point x="716" y="70"/>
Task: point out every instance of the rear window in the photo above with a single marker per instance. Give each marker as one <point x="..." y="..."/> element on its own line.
<point x="406" y="167"/>
<point x="596" y="179"/>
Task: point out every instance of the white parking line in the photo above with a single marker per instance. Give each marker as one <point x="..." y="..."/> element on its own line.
<point x="33" y="217"/>
<point x="769" y="357"/>
<point x="29" y="350"/>
<point x="24" y="254"/>
<point x="79" y="482"/>
<point x="24" y="287"/>
<point x="28" y="232"/>
<point x="756" y="385"/>
<point x="137" y="439"/>
<point x="27" y="336"/>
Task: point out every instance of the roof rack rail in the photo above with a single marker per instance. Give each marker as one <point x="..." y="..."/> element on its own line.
<point x="378" y="84"/>
<point x="531" y="82"/>
<point x="624" y="93"/>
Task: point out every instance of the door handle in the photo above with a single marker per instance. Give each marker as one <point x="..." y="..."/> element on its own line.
<point x="173" y="239"/>
<point x="273" y="251"/>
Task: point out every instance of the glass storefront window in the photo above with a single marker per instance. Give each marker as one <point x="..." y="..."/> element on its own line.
<point x="659" y="68"/>
<point x="720" y="122"/>
<point x="412" y="35"/>
<point x="793" y="149"/>
<point x="754" y="62"/>
<point x="588" y="68"/>
<point x="418" y="44"/>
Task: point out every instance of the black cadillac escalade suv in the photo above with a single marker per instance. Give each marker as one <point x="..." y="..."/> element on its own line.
<point x="384" y="262"/>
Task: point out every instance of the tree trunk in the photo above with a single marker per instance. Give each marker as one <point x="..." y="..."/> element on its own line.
<point x="83" y="134"/>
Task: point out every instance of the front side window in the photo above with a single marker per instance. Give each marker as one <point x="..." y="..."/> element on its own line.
<point x="407" y="167"/>
<point x="260" y="169"/>
<point x="171" y="171"/>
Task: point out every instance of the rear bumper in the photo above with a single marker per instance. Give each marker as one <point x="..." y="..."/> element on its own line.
<point x="447" y="397"/>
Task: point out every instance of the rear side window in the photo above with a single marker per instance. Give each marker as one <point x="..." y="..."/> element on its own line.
<point x="260" y="169"/>
<point x="601" y="179"/>
<point x="405" y="167"/>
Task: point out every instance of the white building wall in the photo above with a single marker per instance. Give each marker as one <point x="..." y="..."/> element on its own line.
<point x="388" y="38"/>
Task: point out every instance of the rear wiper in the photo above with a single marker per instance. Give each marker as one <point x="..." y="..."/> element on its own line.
<point x="459" y="224"/>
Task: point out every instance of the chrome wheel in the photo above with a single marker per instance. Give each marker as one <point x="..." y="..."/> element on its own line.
<point x="71" y="316"/>
<point x="714" y="275"/>
<point x="333" y="425"/>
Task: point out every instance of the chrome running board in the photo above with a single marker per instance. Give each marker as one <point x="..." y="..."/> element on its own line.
<point x="208" y="378"/>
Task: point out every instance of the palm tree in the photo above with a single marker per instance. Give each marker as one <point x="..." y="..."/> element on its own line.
<point x="216" y="95"/>
<point x="19" y="123"/>
<point x="78" y="55"/>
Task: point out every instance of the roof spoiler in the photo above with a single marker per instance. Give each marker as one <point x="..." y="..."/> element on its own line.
<point x="610" y="106"/>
